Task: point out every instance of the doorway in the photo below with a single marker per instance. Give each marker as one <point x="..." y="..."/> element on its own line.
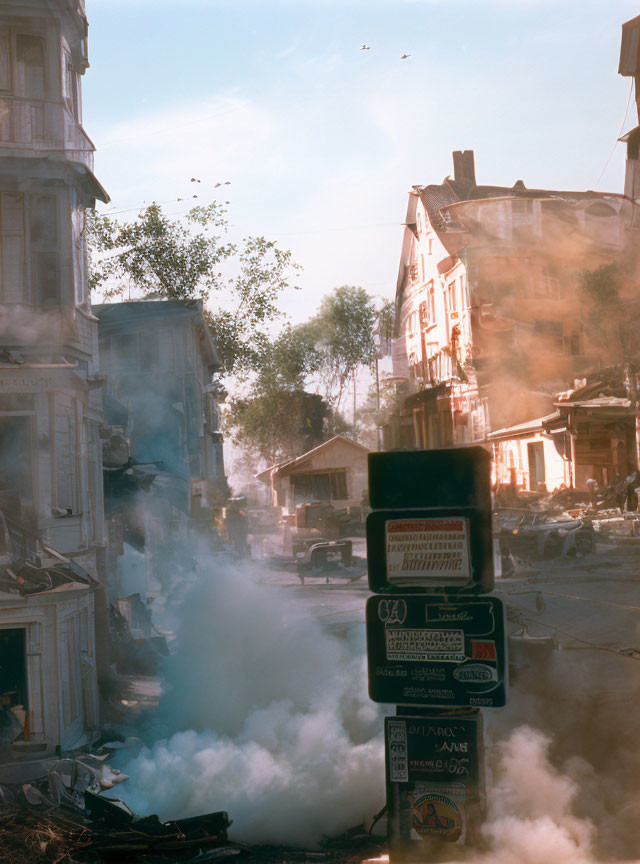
<point x="13" y="667"/>
<point x="536" y="465"/>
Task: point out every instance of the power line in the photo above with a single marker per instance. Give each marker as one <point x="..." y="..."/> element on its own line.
<point x="624" y="120"/>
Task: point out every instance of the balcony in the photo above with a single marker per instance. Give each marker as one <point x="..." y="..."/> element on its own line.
<point x="35" y="127"/>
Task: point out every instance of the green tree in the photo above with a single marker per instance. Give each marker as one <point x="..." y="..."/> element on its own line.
<point x="156" y="256"/>
<point x="278" y="425"/>
<point x="343" y="331"/>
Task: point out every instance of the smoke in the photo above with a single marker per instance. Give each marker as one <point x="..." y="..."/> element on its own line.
<point x="531" y="819"/>
<point x="281" y="732"/>
<point x="265" y="714"/>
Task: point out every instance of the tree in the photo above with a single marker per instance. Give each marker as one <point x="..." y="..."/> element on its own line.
<point x="343" y="331"/>
<point x="610" y="311"/>
<point x="156" y="256"/>
<point x="278" y="425"/>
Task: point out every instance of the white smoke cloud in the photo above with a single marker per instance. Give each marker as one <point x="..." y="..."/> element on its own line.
<point x="281" y="731"/>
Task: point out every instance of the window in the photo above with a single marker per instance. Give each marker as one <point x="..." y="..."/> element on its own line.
<point x="5" y="59"/>
<point x="125" y="352"/>
<point x="44" y="249"/>
<point x="452" y="297"/>
<point x="149" y="353"/>
<point x="413" y="272"/>
<point x="327" y="486"/>
<point x="70" y="83"/>
<point x="424" y="313"/>
<point x="430" y="246"/>
<point x="12" y="289"/>
<point x="552" y="333"/>
<point x="30" y="79"/>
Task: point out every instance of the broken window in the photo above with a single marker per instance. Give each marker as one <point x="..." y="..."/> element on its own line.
<point x="44" y="249"/>
<point x="30" y="54"/>
<point x="12" y="289"/>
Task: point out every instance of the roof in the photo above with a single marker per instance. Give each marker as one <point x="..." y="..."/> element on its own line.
<point x="529" y="427"/>
<point x="283" y="468"/>
<point x="598" y="402"/>
<point x="130" y="315"/>
<point x="437" y="197"/>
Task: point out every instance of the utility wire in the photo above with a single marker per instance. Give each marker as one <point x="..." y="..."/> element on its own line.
<point x="618" y="136"/>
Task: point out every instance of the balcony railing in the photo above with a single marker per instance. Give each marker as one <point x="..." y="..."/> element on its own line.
<point x="42" y="127"/>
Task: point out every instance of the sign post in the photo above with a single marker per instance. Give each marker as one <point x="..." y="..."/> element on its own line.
<point x="435" y="640"/>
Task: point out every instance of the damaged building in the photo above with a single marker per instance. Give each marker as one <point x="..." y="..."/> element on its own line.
<point x="510" y="304"/>
<point x="163" y="460"/>
<point x="498" y="303"/>
<point x="52" y="540"/>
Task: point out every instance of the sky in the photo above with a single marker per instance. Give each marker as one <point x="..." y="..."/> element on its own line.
<point x="321" y="140"/>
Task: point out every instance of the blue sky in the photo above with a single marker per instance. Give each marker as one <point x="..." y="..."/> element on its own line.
<point x="321" y="141"/>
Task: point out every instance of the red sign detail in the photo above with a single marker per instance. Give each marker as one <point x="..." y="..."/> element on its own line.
<point x="483" y="650"/>
<point x="426" y="525"/>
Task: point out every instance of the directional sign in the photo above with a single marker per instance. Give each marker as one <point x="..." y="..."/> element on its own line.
<point x="435" y="778"/>
<point x="425" y="650"/>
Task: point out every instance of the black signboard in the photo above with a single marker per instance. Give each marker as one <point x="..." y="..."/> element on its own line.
<point x="435" y="779"/>
<point x="430" y="651"/>
<point x="454" y="477"/>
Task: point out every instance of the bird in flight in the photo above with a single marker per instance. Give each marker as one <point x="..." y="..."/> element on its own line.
<point x="227" y="182"/>
<point x="404" y="56"/>
<point x="193" y="180"/>
<point x="365" y="47"/>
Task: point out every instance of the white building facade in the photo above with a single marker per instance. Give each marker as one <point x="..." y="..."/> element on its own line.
<point x="50" y="390"/>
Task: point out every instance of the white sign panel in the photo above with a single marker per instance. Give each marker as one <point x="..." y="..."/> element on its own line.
<point x="431" y="551"/>
<point x="425" y="645"/>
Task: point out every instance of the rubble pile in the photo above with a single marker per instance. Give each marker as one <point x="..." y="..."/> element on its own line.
<point x="62" y="817"/>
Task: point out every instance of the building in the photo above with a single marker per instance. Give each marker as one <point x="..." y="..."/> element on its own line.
<point x="164" y="465"/>
<point x="50" y="389"/>
<point x="590" y="434"/>
<point x="335" y="472"/>
<point x="493" y="311"/>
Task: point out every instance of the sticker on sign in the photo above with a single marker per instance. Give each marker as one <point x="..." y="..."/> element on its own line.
<point x="427" y="549"/>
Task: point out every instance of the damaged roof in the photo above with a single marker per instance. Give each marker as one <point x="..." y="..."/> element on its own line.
<point x="437" y="197"/>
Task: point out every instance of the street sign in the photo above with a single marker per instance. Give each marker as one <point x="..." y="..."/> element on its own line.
<point x="430" y="651"/>
<point x="426" y="549"/>
<point x="435" y="779"/>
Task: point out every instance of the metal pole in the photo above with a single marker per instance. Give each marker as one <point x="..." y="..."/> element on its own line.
<point x="378" y="429"/>
<point x="354" y="398"/>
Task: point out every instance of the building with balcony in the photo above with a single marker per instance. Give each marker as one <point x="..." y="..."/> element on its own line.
<point x="493" y="310"/>
<point x="50" y="387"/>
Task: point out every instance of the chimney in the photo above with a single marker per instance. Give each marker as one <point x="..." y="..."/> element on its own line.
<point x="464" y="169"/>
